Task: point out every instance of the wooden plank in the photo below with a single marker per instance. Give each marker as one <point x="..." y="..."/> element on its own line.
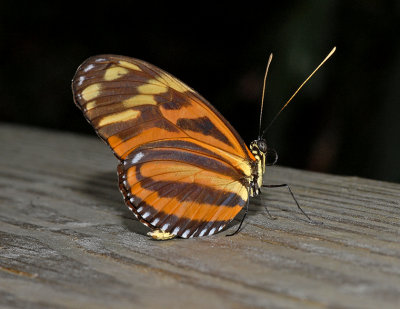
<point x="68" y="241"/>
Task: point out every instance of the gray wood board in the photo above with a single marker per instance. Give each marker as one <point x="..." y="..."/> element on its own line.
<point x="68" y="241"/>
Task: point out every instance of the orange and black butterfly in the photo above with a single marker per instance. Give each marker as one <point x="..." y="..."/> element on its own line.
<point x="184" y="170"/>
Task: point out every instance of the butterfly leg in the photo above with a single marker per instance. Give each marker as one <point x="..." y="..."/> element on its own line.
<point x="246" y="210"/>
<point x="294" y="198"/>
<point x="270" y="216"/>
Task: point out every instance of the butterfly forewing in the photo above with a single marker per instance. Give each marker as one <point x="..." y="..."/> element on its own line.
<point x="183" y="167"/>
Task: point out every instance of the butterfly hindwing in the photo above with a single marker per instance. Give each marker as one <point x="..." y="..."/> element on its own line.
<point x="183" y="167"/>
<point x="184" y="193"/>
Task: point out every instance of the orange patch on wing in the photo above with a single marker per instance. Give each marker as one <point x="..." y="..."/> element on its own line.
<point x="131" y="176"/>
<point x="114" y="141"/>
<point x="123" y="147"/>
<point x="187" y="209"/>
<point x="249" y="153"/>
<point x="197" y="110"/>
<point x="183" y="172"/>
<point x="233" y="159"/>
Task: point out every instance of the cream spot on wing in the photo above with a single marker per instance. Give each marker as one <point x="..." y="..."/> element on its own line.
<point x="185" y="234"/>
<point x="203" y="232"/>
<point x="137" y="157"/>
<point x="165" y="226"/>
<point x="145" y="215"/>
<point x="139" y="209"/>
<point x="119" y="117"/>
<point x="155" y="221"/>
<point x="212" y="231"/>
<point x="176" y="230"/>
<point x="140" y="99"/>
<point x="81" y="79"/>
<point x="90" y="92"/>
<point x="129" y="65"/>
<point x="115" y="72"/>
<point x="89" y="67"/>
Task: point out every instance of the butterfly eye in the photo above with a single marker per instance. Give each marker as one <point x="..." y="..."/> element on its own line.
<point x="262" y="145"/>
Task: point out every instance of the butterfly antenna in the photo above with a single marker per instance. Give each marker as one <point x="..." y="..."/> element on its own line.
<point x="263" y="94"/>
<point x="298" y="89"/>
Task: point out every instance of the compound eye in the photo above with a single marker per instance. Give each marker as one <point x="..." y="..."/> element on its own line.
<point x="262" y="145"/>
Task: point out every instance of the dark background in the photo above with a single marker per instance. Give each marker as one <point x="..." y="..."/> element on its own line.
<point x="346" y="120"/>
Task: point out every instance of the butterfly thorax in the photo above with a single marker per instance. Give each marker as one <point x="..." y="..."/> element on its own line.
<point x="259" y="149"/>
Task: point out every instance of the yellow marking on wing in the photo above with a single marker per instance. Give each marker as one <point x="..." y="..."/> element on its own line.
<point x="129" y="65"/>
<point x="90" y="105"/>
<point x="243" y="193"/>
<point x="140" y="99"/>
<point x="245" y="167"/>
<point x="236" y="161"/>
<point x="119" y="117"/>
<point x="91" y="92"/>
<point x="152" y="87"/>
<point x="173" y="83"/>
<point x="115" y="72"/>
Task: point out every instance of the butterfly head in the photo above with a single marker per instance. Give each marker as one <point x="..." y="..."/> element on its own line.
<point x="259" y="149"/>
<point x="261" y="144"/>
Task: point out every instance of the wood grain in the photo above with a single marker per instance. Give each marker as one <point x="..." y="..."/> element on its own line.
<point x="68" y="241"/>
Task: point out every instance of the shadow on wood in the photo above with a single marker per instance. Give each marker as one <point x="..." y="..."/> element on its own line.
<point x="93" y="188"/>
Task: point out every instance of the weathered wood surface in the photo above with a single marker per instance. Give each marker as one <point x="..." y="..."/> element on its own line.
<point x="68" y="241"/>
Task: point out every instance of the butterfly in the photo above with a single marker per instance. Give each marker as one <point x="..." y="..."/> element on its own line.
<point x="183" y="169"/>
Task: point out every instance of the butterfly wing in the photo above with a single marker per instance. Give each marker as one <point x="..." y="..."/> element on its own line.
<point x="179" y="190"/>
<point x="183" y="167"/>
